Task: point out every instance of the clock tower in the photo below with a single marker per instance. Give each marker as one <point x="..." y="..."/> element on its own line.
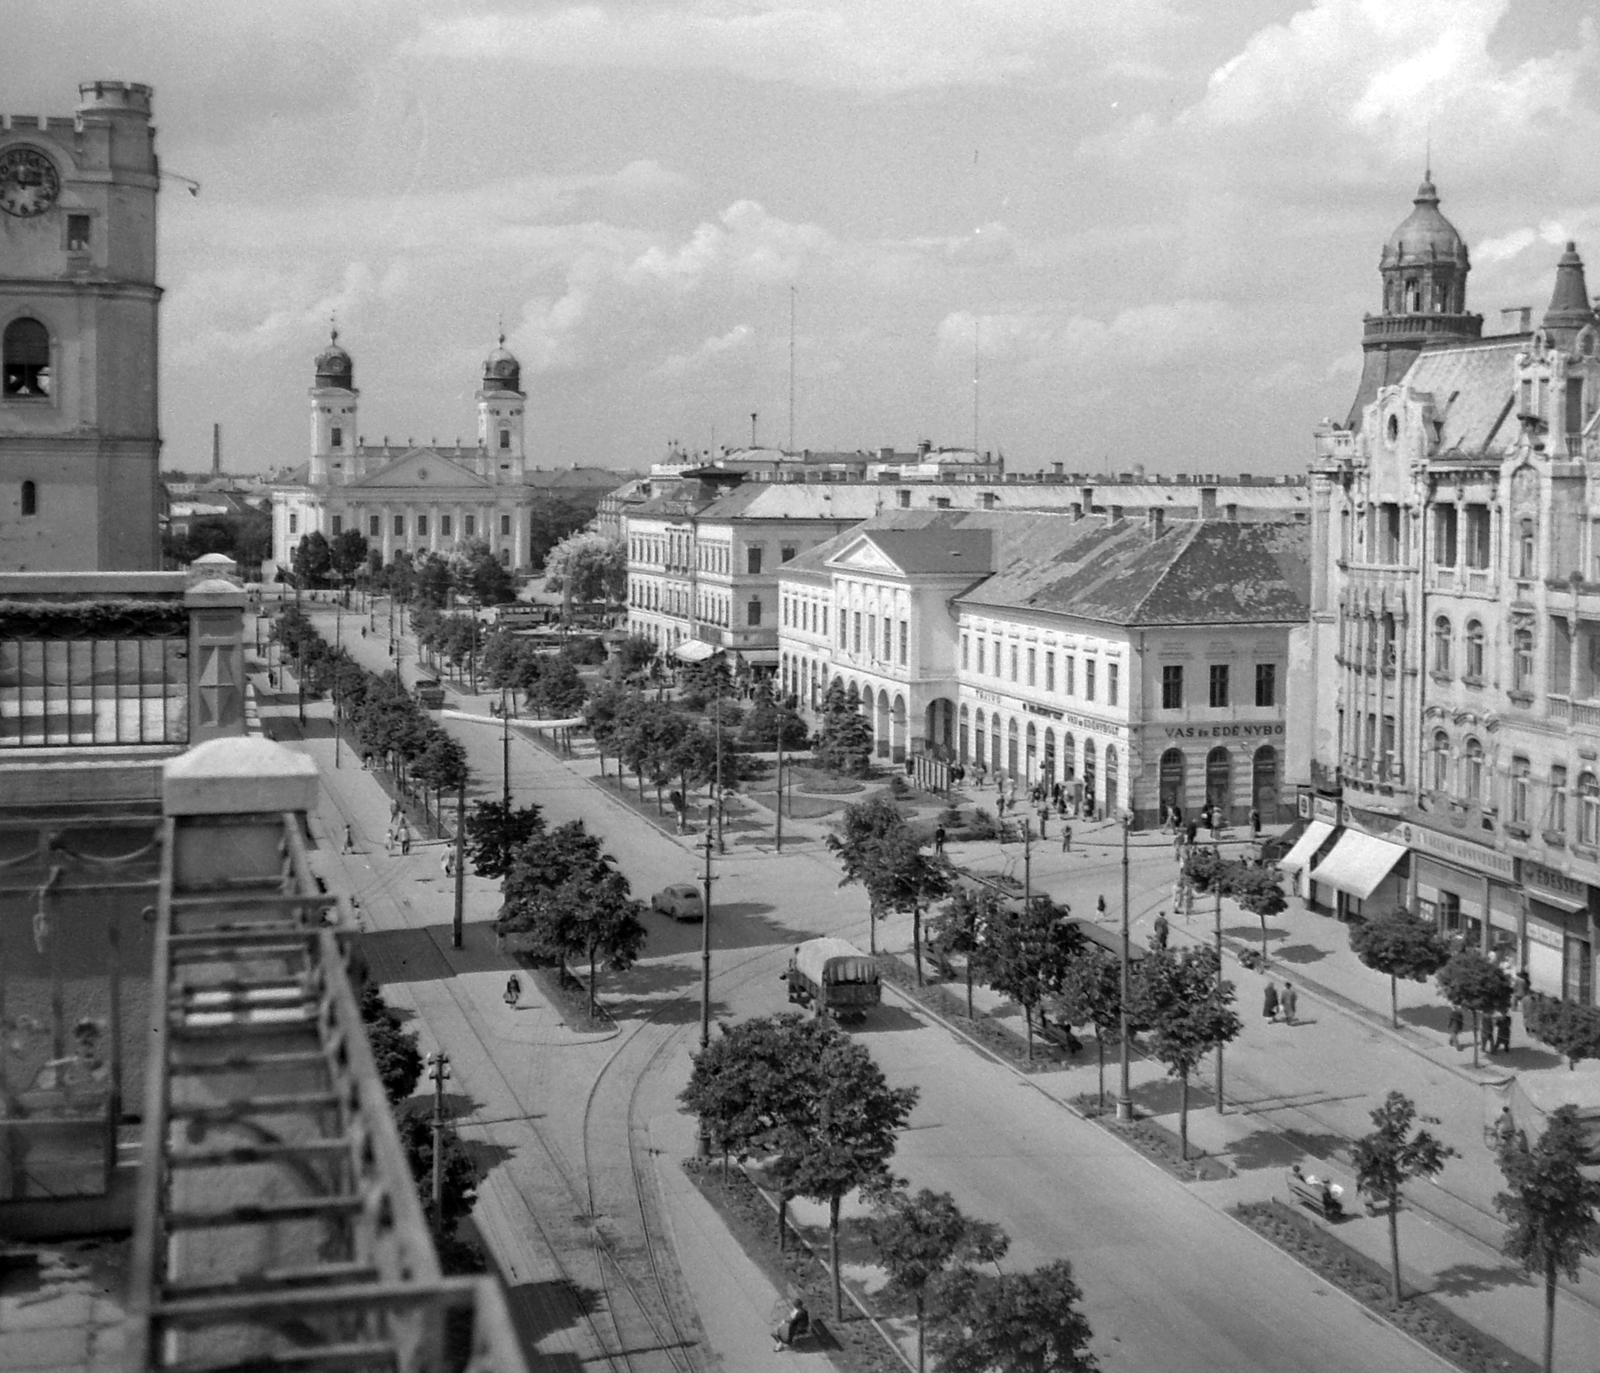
<point x="79" y="441"/>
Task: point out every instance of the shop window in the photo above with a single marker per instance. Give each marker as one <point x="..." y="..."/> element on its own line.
<point x="1522" y="660"/>
<point x="1589" y="810"/>
<point x="1441" y="761"/>
<point x="1171" y="686"/>
<point x="1450" y="912"/>
<point x="1219" y="686"/>
<point x="1443" y="644"/>
<point x="1266" y="684"/>
<point x="25" y="359"/>
<point x="1521" y="787"/>
<point x="1474" y="663"/>
<point x="1472" y="773"/>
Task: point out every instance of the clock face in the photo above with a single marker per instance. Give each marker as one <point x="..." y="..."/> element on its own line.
<point x="29" y="184"/>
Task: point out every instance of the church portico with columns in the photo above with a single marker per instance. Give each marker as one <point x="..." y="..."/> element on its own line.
<point x="409" y="498"/>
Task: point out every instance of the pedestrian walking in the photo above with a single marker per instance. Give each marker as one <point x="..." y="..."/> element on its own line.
<point x="1216" y="821"/>
<point x="1486" y="1033"/>
<point x="405" y="838"/>
<point x="1191" y="833"/>
<point x="1521" y="987"/>
<point x="1502" y="1031"/>
<point x="513" y="990"/>
<point x="1177" y="845"/>
<point x="1000" y="804"/>
<point x="1454" y="1024"/>
<point x="1160" y="929"/>
<point x="1269" y="1002"/>
<point x="938" y="841"/>
<point x="1044" y="814"/>
<point x="388" y="840"/>
<point x="1100" y="907"/>
<point x="449" y="863"/>
<point x="349" y="840"/>
<point x="1290" y="1001"/>
<point x="1255" y="823"/>
<point x="1066" y="836"/>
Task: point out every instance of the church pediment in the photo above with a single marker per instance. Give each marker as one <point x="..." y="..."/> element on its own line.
<point x="864" y="556"/>
<point x="421" y="469"/>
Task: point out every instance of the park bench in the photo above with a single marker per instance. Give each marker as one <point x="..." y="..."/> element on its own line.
<point x="1315" y="1196"/>
<point x="1059" y="1035"/>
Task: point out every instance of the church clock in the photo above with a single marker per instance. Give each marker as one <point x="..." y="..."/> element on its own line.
<point x="29" y="184"/>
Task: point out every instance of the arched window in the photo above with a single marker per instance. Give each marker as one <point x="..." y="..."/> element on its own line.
<point x="505" y="439"/>
<point x="1069" y="756"/>
<point x="1441" y="761"/>
<point x="962" y="735"/>
<point x="1589" y="810"/>
<point x="1474" y="664"/>
<point x="1472" y="773"/>
<point x="1522" y="660"/>
<point x="1219" y="779"/>
<point x="1011" y="747"/>
<point x="1032" y="750"/>
<point x="1048" y="767"/>
<point x="1170" y="780"/>
<point x="1088" y="773"/>
<point x="30" y="498"/>
<point x="1112" y="801"/>
<point x="1443" y="643"/>
<point x="1264" y="783"/>
<point x="980" y="740"/>
<point x="25" y="359"/>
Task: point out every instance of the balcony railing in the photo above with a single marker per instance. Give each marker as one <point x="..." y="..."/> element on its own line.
<point x="277" y="1221"/>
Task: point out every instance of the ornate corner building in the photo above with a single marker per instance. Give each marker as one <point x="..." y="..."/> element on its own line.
<point x="79" y="444"/>
<point x="409" y="499"/>
<point x="1454" y="644"/>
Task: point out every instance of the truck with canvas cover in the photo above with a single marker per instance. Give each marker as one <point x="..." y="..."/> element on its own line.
<point x="834" y="978"/>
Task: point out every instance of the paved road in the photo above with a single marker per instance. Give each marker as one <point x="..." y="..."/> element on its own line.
<point x="1170" y="1282"/>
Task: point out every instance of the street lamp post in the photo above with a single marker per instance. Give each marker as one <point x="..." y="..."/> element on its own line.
<point x="505" y="754"/>
<point x="461" y="871"/>
<point x="721" y="847"/>
<point x="1222" y="1107"/>
<point x="338" y="646"/>
<point x="777" y="800"/>
<point x="704" y="1144"/>
<point x="439" y="1071"/>
<point x="1124" y="1093"/>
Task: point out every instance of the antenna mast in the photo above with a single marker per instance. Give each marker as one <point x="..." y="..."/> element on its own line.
<point x="977" y="324"/>
<point x="792" y="294"/>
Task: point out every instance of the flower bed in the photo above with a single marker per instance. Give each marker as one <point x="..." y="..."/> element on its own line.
<point x="1421" y="1317"/>
<point x="853" y="1345"/>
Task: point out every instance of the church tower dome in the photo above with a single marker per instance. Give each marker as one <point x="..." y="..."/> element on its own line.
<point x="333" y="415"/>
<point x="500" y="405"/>
<point x="1423" y="266"/>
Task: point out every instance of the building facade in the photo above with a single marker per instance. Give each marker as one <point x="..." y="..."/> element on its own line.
<point x="411" y="499"/>
<point x="1105" y="654"/>
<point x="1454" y="632"/>
<point x="79" y="443"/>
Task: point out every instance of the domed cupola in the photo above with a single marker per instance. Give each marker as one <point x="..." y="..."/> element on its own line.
<point x="1425" y="236"/>
<point x="334" y="368"/>
<point x="501" y="370"/>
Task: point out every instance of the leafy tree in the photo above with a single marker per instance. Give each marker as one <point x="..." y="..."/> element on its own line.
<point x="458" y="1182"/>
<point x="1550" y="1208"/>
<point x="1398" y="944"/>
<point x="432" y="584"/>
<point x="1566" y="1026"/>
<point x="312" y="559"/>
<point x="494" y="835"/>
<point x="960" y="926"/>
<point x="593" y="918"/>
<point x="1391" y="1156"/>
<point x="480" y="576"/>
<point x="1025" y="954"/>
<point x="635" y="655"/>
<point x="547" y="859"/>
<point x="1013" y="1323"/>
<point x="603" y="713"/>
<point x="706" y="681"/>
<point x="862" y="831"/>
<point x="347" y="553"/>
<point x="552" y="520"/>
<point x="1255" y="888"/>
<point x="394" y="1050"/>
<point x="769" y="721"/>
<point x="845" y="1140"/>
<point x="844" y="740"/>
<point x="442" y="764"/>
<point x="1091" y="994"/>
<point x="1204" y="869"/>
<point x="1188" y="1012"/>
<point x="587" y="567"/>
<point x="919" y="1237"/>
<point x="1477" y="984"/>
<point x="558" y="692"/>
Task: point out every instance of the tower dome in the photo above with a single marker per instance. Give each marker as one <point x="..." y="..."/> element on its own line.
<point x="333" y="365"/>
<point x="501" y="370"/>
<point x="1425" y="236"/>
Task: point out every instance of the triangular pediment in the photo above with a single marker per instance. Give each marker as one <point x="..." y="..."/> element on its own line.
<point x="423" y="468"/>
<point x="862" y="555"/>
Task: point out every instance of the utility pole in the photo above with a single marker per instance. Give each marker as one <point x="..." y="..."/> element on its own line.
<point x="505" y="754"/>
<point x="461" y="870"/>
<point x="1222" y="1108"/>
<point x="717" y="677"/>
<point x="439" y="1071"/>
<point x="777" y="801"/>
<point x="753" y="415"/>
<point x="338" y="644"/>
<point x="1124" y="1093"/>
<point x="704" y="1146"/>
<point x="1027" y="865"/>
<point x="792" y="295"/>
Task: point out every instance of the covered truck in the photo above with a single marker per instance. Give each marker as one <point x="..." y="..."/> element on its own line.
<point x="834" y="977"/>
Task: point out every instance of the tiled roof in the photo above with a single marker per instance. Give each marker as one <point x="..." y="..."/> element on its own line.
<point x="582" y="478"/>
<point x="1197" y="572"/>
<point x="1472" y="388"/>
<point x="797" y="501"/>
<point x="936" y="551"/>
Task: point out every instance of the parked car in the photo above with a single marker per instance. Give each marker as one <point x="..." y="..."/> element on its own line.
<point x="430" y="694"/>
<point x="681" y="901"/>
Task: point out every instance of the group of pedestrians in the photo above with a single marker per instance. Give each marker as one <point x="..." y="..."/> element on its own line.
<point x="398" y="833"/>
<point x="1276" y="1005"/>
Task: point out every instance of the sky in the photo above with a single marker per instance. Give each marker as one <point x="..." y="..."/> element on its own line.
<point x="1151" y="227"/>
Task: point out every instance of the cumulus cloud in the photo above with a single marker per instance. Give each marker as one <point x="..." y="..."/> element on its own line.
<point x="881" y="46"/>
<point x="1141" y="336"/>
<point x="680" y="363"/>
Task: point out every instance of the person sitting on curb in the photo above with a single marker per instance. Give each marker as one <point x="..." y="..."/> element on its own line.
<point x="795" y="1323"/>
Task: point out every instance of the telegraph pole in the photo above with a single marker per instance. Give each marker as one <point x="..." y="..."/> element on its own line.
<point x="721" y="848"/>
<point x="461" y="869"/>
<point x="439" y="1071"/>
<point x="704" y="1144"/>
<point x="1222" y="1108"/>
<point x="777" y="805"/>
<point x="505" y="755"/>
<point x="1027" y="865"/>
<point x="338" y="644"/>
<point x="1124" y="1093"/>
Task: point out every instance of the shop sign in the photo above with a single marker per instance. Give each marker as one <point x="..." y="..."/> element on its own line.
<point x="1541" y="933"/>
<point x="1089" y="723"/>
<point x="1541" y="880"/>
<point x="992" y="697"/>
<point x="1224" y="731"/>
<point x="1302" y="803"/>
<point x="1325" y="809"/>
<point x="1042" y="710"/>
<point x="1455" y="850"/>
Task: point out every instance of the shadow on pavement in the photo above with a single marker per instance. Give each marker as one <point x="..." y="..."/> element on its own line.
<point x="1264" y="1149"/>
<point x="1463" y="1279"/>
<point x="1433" y="1018"/>
<point x="1525" y="1056"/>
<point x="485" y="1156"/>
<point x="1160" y="1098"/>
<point x="539" y="1309"/>
<point x="1299" y="953"/>
<point x="1251" y="934"/>
<point x="887" y="1019"/>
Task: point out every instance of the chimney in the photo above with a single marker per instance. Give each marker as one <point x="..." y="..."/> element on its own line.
<point x="1056" y="468"/>
<point x="1086" y="495"/>
<point x="1116" y="514"/>
<point x="1077" y="511"/>
<point x="1208" y="502"/>
<point x="216" y="450"/>
<point x="1230" y="511"/>
<point x="885" y="454"/>
<point x="1517" y="320"/>
<point x="1155" y="519"/>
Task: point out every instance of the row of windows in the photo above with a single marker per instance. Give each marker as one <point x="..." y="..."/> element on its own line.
<point x="1219" y="686"/>
<point x="884" y="635"/>
<point x="801" y="612"/>
<point x="1024" y="662"/>
<point x="672" y="550"/>
<point x="469" y="524"/>
<point x="1468" y="774"/>
<point x="674" y="600"/>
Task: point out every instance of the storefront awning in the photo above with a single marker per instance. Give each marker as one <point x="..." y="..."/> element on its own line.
<point x="1305" y="848"/>
<point x="1357" y="864"/>
<point x="694" y="651"/>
